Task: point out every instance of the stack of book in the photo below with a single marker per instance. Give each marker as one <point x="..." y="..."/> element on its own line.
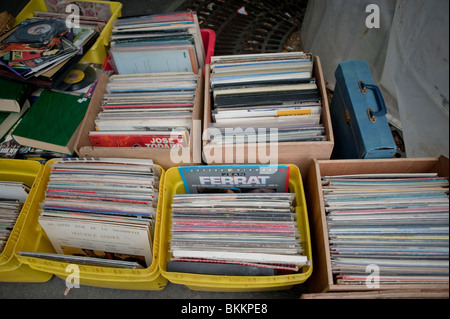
<point x="102" y="208"/>
<point x="261" y="93"/>
<point x="392" y="226"/>
<point x="146" y="111"/>
<point x="157" y="43"/>
<point x="42" y="50"/>
<point x="12" y="198"/>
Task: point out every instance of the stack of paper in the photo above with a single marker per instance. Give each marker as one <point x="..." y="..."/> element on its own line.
<point x="397" y="223"/>
<point x="102" y="208"/>
<point x="261" y="93"/>
<point x="157" y="43"/>
<point x="146" y="111"/>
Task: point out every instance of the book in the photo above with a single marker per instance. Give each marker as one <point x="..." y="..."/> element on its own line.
<point x="9" y="119"/>
<point x="12" y="95"/>
<point x="53" y="122"/>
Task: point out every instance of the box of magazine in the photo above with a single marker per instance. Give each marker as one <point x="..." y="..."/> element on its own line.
<point x="19" y="183"/>
<point x="235" y="228"/>
<point x="266" y="108"/>
<point x="101" y="215"/>
<point x="379" y="225"/>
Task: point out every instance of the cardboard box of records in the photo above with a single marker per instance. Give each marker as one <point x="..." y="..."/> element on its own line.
<point x="186" y="152"/>
<point x="397" y="244"/>
<point x="112" y="236"/>
<point x="251" y="93"/>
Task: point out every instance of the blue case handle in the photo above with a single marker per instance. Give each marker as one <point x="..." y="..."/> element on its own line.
<point x="379" y="98"/>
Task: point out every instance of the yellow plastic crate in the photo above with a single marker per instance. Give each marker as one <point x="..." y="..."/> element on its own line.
<point x="11" y="269"/>
<point x="99" y="51"/>
<point x="107" y="277"/>
<point x="173" y="184"/>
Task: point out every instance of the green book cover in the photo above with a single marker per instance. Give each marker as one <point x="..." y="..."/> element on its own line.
<point x="52" y="122"/>
<point x="12" y="95"/>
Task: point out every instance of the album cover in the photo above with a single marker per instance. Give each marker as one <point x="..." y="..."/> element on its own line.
<point x="235" y="178"/>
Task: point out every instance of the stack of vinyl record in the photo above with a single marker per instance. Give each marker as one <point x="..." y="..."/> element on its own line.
<point x="42" y="50"/>
<point x="263" y="93"/>
<point x="394" y="224"/>
<point x="102" y="209"/>
<point x="12" y="197"/>
<point x="157" y="43"/>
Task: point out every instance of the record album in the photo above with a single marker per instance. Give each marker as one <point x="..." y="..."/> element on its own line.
<point x="81" y="76"/>
<point x="37" y="31"/>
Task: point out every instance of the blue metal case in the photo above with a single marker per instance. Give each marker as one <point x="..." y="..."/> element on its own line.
<point x="358" y="114"/>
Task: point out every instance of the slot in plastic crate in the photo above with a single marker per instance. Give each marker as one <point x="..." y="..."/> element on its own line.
<point x="11" y="269"/>
<point x="173" y="184"/>
<point x="96" y="276"/>
<point x="98" y="52"/>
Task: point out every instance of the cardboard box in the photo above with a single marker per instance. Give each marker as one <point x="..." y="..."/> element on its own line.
<point x="298" y="153"/>
<point x="322" y="278"/>
<point x="190" y="155"/>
